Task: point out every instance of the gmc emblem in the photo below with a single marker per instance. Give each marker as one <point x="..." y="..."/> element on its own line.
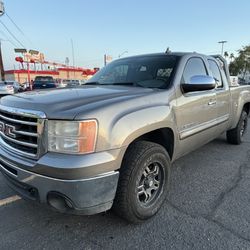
<point x="7" y="129"/>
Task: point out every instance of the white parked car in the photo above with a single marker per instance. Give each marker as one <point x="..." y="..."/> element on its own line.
<point x="70" y="83"/>
<point x="9" y="87"/>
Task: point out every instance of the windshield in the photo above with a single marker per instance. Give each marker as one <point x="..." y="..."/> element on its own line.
<point x="44" y="78"/>
<point x="142" y="71"/>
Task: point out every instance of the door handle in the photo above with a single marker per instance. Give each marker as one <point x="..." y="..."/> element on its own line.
<point x="211" y="102"/>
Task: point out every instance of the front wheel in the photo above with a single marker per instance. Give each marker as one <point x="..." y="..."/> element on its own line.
<point x="143" y="183"/>
<point x="235" y="136"/>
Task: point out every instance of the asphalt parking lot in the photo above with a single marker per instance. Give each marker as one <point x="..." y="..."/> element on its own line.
<point x="208" y="208"/>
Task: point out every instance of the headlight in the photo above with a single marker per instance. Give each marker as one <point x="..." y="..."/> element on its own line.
<point x="72" y="137"/>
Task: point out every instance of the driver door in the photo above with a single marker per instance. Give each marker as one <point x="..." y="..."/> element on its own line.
<point x="196" y="112"/>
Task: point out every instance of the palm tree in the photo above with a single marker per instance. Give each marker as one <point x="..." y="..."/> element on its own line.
<point x="231" y="57"/>
<point x="226" y="54"/>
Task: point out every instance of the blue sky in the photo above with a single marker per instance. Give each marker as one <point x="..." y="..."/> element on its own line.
<point x="112" y="27"/>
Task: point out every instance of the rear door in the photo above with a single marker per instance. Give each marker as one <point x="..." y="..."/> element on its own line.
<point x="222" y="94"/>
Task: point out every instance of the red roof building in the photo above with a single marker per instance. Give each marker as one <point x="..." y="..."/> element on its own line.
<point x="23" y="75"/>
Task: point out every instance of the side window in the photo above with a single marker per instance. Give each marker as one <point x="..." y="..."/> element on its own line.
<point x="216" y="73"/>
<point x="195" y="66"/>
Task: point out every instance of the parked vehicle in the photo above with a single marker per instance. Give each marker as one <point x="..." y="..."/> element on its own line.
<point x="44" y="82"/>
<point x="15" y="85"/>
<point x="234" y="80"/>
<point x="7" y="88"/>
<point x="62" y="84"/>
<point x="25" y="86"/>
<point x="43" y="85"/>
<point x="44" y="78"/>
<point x="111" y="142"/>
<point x="70" y="83"/>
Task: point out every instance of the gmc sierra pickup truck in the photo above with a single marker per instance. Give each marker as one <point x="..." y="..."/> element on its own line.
<point x="110" y="143"/>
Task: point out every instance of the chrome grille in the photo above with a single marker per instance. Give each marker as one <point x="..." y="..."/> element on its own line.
<point x="22" y="131"/>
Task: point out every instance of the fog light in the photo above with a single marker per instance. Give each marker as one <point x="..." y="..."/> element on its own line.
<point x="59" y="202"/>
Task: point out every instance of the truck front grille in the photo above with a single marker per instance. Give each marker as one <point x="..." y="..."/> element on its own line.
<point x="21" y="130"/>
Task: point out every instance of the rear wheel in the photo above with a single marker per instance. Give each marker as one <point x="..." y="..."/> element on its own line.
<point x="143" y="183"/>
<point x="235" y="136"/>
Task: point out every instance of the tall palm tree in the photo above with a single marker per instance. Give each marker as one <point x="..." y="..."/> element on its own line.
<point x="231" y="57"/>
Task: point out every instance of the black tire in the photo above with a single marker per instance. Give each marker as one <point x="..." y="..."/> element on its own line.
<point x="145" y="166"/>
<point x="235" y="136"/>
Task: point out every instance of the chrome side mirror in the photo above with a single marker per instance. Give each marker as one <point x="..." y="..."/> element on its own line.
<point x="199" y="83"/>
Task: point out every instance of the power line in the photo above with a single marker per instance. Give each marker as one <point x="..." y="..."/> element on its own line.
<point x="8" y="39"/>
<point x="15" y="24"/>
<point x="12" y="34"/>
<point x="18" y="28"/>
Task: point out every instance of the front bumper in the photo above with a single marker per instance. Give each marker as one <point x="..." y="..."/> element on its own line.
<point x="83" y="195"/>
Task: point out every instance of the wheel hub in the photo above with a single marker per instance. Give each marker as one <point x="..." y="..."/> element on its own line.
<point x="243" y="128"/>
<point x="150" y="183"/>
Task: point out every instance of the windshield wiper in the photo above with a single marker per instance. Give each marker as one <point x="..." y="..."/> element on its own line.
<point x="123" y="83"/>
<point x="92" y="83"/>
<point x="114" y="83"/>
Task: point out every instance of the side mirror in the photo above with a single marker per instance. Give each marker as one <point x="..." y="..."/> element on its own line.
<point x="199" y="83"/>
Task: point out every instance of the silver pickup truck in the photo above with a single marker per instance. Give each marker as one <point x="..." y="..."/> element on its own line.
<point x="110" y="143"/>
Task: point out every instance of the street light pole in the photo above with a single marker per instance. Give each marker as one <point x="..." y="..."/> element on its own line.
<point x="124" y="52"/>
<point x="1" y="63"/>
<point x="1" y="57"/>
<point x="73" y="55"/>
<point x="1" y="8"/>
<point x="105" y="60"/>
<point x="222" y="46"/>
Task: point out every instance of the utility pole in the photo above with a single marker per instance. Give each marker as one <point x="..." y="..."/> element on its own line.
<point x="73" y="55"/>
<point x="222" y="46"/>
<point x="105" y="60"/>
<point x="1" y="63"/>
<point x="1" y="57"/>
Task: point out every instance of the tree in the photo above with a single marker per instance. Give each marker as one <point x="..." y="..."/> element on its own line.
<point x="226" y="54"/>
<point x="241" y="63"/>
<point x="231" y="57"/>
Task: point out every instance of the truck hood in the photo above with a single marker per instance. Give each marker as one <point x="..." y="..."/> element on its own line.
<point x="67" y="103"/>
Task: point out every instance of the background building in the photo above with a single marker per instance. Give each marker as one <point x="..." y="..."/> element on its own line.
<point x="23" y="75"/>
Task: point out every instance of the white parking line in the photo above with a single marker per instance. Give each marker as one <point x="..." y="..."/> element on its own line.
<point x="9" y="200"/>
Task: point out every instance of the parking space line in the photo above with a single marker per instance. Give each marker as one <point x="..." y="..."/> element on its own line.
<point x="9" y="200"/>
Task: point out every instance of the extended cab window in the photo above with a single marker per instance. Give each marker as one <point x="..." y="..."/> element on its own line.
<point x="195" y="66"/>
<point x="216" y="73"/>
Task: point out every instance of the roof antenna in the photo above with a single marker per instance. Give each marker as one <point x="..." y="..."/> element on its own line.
<point x="167" y="50"/>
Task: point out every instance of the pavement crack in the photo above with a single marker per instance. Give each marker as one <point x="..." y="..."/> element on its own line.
<point x="182" y="211"/>
<point x="235" y="182"/>
<point x="229" y="230"/>
<point x="210" y="219"/>
<point x="211" y="215"/>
